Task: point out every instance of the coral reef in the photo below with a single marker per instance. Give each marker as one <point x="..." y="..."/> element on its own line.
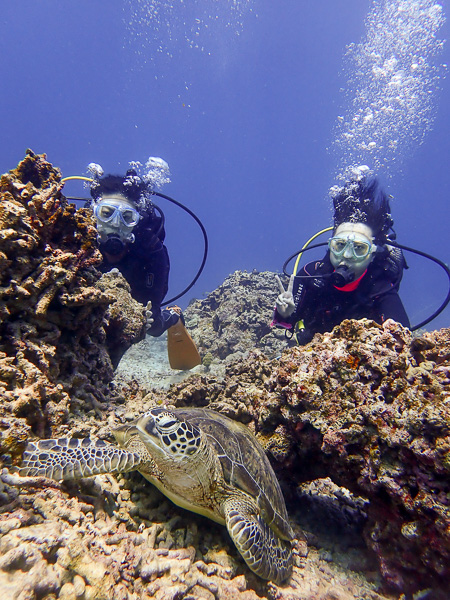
<point x="368" y="406"/>
<point x="125" y="319"/>
<point x="356" y="425"/>
<point x="235" y="318"/>
<point x="53" y="310"/>
<point x="119" y="538"/>
<point x="365" y="406"/>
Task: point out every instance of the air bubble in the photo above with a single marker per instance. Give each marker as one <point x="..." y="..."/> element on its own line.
<point x="164" y="24"/>
<point x="392" y="75"/>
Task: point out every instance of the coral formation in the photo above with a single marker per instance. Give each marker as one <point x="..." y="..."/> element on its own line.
<point x="235" y="318"/>
<point x="125" y="320"/>
<point x="107" y="539"/>
<point x="53" y="310"/>
<point x="365" y="407"/>
<point x="368" y="406"/>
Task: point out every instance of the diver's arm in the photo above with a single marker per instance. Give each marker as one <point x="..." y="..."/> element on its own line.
<point x="161" y="319"/>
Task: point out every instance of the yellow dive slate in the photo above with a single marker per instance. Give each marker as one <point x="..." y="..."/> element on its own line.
<point x="182" y="351"/>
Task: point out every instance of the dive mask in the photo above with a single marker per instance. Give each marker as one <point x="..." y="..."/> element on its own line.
<point x="116" y="214"/>
<point x="359" y="249"/>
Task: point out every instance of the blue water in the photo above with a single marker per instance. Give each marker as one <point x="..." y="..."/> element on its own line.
<point x="246" y="101"/>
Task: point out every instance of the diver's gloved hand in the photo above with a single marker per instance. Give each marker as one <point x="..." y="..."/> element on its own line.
<point x="166" y="318"/>
<point x="285" y="302"/>
<point x="149" y="320"/>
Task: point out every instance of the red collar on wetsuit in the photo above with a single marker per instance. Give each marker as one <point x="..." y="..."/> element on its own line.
<point x="351" y="287"/>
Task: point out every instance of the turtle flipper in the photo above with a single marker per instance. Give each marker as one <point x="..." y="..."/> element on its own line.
<point x="71" y="458"/>
<point x="265" y="553"/>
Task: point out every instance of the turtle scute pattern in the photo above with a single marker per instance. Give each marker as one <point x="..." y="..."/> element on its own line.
<point x="263" y="539"/>
<point x="245" y="465"/>
<point x="71" y="458"/>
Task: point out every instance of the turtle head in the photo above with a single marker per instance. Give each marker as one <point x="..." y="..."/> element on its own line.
<point x="165" y="434"/>
<point x="126" y="435"/>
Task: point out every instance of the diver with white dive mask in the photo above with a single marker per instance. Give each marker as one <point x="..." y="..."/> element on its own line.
<point x="116" y="218"/>
<point x="351" y="251"/>
<point x="130" y="234"/>
<point x="358" y="277"/>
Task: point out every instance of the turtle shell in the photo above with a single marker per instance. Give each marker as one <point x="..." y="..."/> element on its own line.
<point x="245" y="464"/>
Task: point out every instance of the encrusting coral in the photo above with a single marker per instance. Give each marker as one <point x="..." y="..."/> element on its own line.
<point x="369" y="407"/>
<point x="236" y="317"/>
<point x="125" y="325"/>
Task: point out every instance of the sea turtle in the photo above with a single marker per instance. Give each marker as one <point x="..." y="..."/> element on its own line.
<point x="200" y="459"/>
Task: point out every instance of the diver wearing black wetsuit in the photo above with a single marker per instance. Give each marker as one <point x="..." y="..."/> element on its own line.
<point x="360" y="275"/>
<point x="131" y="238"/>
<point x="320" y="305"/>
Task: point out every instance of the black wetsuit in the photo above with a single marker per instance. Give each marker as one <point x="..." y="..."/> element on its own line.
<point x="321" y="306"/>
<point x="146" y="267"/>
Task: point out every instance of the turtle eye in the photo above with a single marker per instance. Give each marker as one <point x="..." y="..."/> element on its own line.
<point x="166" y="422"/>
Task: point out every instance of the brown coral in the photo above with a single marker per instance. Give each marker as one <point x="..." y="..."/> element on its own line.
<point x="53" y="313"/>
<point x="368" y="406"/>
<point x="235" y="318"/>
<point x="107" y="539"/>
<point x="126" y="322"/>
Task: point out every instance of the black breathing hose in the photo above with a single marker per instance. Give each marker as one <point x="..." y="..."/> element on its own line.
<point x="441" y="264"/>
<point x="205" y="251"/>
<point x="163" y="220"/>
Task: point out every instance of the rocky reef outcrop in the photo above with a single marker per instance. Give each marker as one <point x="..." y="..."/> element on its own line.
<point x="365" y="408"/>
<point x="369" y="407"/>
<point x="55" y="314"/>
<point x="235" y="318"/>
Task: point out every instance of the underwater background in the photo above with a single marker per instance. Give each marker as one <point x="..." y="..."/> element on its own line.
<point x="257" y="106"/>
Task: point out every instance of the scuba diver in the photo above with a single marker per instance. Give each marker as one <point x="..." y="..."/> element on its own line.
<point x="358" y="277"/>
<point x="131" y="237"/>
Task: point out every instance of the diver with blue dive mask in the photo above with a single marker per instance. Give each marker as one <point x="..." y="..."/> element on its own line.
<point x="359" y="277"/>
<point x="116" y="218"/>
<point x="130" y="233"/>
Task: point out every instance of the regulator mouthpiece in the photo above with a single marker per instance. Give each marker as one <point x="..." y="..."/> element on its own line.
<point x="114" y="244"/>
<point x="342" y="276"/>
